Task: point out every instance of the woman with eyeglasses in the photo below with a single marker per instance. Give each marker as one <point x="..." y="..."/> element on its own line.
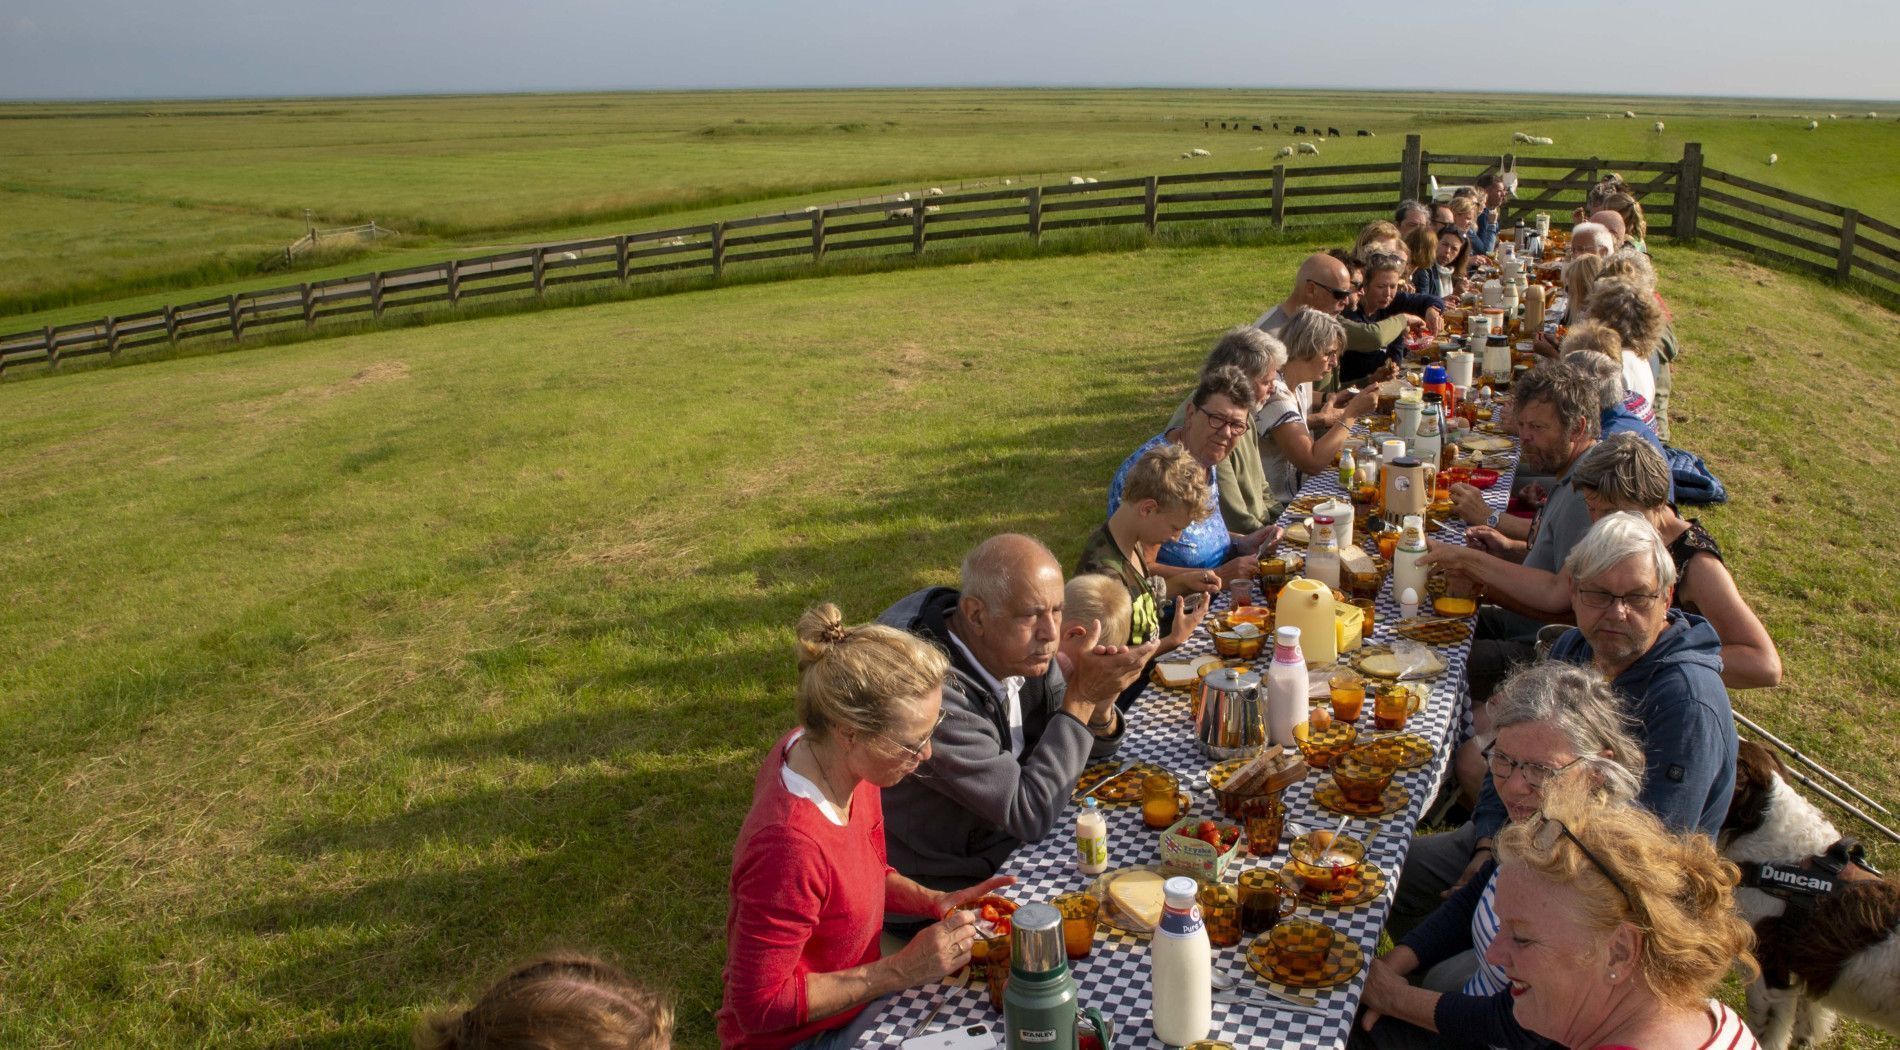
<point x="1624" y="473"/>
<point x="810" y="883"/>
<point x="1557" y="725"/>
<point x="1614" y="931"/>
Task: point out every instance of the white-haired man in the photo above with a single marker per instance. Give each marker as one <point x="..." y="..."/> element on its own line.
<point x="1591" y="238"/>
<point x="1016" y="732"/>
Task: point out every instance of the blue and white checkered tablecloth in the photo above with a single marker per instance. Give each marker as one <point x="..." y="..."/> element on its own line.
<point x="1114" y="978"/>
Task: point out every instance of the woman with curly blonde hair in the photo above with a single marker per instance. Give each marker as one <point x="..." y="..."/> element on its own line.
<point x="810" y="883"/>
<point x="1614" y="931"/>
<point x="1631" y="309"/>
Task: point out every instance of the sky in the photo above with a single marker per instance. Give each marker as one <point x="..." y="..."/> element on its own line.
<point x="251" y="48"/>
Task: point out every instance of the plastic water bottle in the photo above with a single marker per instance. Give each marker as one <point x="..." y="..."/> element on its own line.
<point x="1181" y="969"/>
<point x="1286" y="687"/>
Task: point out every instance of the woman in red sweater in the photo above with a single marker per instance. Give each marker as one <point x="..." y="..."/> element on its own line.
<point x="810" y="884"/>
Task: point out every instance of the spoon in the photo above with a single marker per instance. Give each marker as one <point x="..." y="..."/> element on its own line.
<point x="1227" y="982"/>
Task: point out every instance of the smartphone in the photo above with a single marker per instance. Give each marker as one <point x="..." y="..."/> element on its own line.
<point x="975" y="1037"/>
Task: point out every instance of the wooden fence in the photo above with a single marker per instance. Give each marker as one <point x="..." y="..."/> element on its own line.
<point x="1680" y="198"/>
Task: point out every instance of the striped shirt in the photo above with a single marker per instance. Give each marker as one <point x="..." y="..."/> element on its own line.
<point x="1730" y="1032"/>
<point x="1487" y="979"/>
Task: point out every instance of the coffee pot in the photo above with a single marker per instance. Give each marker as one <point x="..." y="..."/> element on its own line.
<point x="1232" y="721"/>
<point x="1040" y="1010"/>
<point x="1408" y="486"/>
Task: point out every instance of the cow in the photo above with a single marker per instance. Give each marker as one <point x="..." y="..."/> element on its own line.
<point x="1299" y="129"/>
<point x="1332" y="133"/>
<point x="1257" y="127"/>
<point x="1363" y="133"/>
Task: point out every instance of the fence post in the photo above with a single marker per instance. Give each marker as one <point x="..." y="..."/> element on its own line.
<point x="1279" y="196"/>
<point x="52" y="348"/>
<point x="1688" y="191"/>
<point x="620" y="258"/>
<point x="1411" y="169"/>
<point x="539" y="258"/>
<point x="818" y="236"/>
<point x="171" y="324"/>
<point x="1035" y="214"/>
<point x="376" y="295"/>
<point x="112" y="337"/>
<point x="455" y="282"/>
<point x="1844" y="262"/>
<point x="919" y="214"/>
<point x="1151" y="203"/>
<point x="718" y="248"/>
<point x="309" y="306"/>
<point x="237" y="319"/>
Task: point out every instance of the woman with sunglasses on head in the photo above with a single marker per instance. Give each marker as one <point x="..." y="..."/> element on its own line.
<point x="1557" y="725"/>
<point x="810" y="884"/>
<point x="1614" y="931"/>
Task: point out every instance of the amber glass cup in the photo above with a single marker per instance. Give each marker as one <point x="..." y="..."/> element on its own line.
<point x="1388" y="544"/>
<point x="1160" y="805"/>
<point x="1364" y="584"/>
<point x="1392" y="706"/>
<point x="1265" y="899"/>
<point x="996" y="971"/>
<point x="1349" y="695"/>
<point x="1265" y="819"/>
<point x="1272" y="577"/>
<point x="1220" y="911"/>
<point x="1078" y="922"/>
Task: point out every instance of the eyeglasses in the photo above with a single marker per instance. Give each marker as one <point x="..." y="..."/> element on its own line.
<point x="918" y="751"/>
<point x="1635" y="603"/>
<point x="1222" y="423"/>
<point x="1548" y="830"/>
<point x="1341" y="294"/>
<point x="1535" y="774"/>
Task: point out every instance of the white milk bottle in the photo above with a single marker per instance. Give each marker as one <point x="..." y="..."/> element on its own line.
<point x="1286" y="687"/>
<point x="1181" y="969"/>
<point x="1407" y="573"/>
<point x="1091" y="840"/>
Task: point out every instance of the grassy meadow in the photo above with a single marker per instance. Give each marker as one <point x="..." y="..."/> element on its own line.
<point x="342" y="674"/>
<point x="122" y="206"/>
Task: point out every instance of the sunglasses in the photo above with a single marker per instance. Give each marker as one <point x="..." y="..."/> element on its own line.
<point x="1338" y="293"/>
<point x="1546" y="832"/>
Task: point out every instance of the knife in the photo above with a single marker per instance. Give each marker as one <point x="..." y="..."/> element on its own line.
<point x="1102" y="783"/>
<point x="1264" y="997"/>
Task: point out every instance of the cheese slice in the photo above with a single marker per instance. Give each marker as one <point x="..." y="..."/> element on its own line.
<point x="1203" y="661"/>
<point x="1139" y="895"/>
<point x="1175" y="675"/>
<point x="1352" y="559"/>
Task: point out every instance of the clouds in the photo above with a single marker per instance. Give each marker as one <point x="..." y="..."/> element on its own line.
<point x="120" y="48"/>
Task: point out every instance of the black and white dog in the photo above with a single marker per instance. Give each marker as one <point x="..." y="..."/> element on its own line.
<point x="1828" y="929"/>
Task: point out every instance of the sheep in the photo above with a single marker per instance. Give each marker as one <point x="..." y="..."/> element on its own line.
<point x="1833" y="116"/>
<point x="569" y="256"/>
<point x="1284" y="151"/>
<point x="1659" y="125"/>
<point x="809" y="208"/>
<point x="1009" y="182"/>
<point x="1518" y="136"/>
<point x="1629" y="114"/>
<point x="1812" y="124"/>
<point x="1871" y="115"/>
<point x="1185" y="156"/>
<point x="1198" y="152"/>
<point x="1309" y="149"/>
<point x="1077" y="180"/>
<point x="677" y="242"/>
<point x="1332" y="132"/>
<point x="1772" y="158"/>
<point x="1091" y="181"/>
<point x="1546" y="141"/>
<point x="934" y="191"/>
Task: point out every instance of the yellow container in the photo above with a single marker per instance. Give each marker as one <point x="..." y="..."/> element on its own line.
<point x="1308" y="605"/>
<point x="1349" y="623"/>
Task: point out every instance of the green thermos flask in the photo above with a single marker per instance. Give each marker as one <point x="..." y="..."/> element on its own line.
<point x="1039" y="1006"/>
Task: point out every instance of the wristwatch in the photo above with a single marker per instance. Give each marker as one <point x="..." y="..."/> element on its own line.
<point x="1492" y="521"/>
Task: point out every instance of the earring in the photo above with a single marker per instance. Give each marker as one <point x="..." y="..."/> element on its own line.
<point x="1612" y="975"/>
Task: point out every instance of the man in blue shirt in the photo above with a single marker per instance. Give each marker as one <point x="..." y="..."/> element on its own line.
<point x="1484" y="240"/>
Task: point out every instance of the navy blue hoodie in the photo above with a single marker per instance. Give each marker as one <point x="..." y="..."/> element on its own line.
<point x="1674" y="695"/>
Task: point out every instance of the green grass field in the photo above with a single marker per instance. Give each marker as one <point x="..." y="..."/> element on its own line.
<point x="117" y="207"/>
<point x="343" y="673"/>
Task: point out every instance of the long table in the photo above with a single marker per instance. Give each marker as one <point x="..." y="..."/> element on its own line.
<point x="1114" y="978"/>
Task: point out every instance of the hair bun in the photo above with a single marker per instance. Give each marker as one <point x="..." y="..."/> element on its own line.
<point x="820" y="628"/>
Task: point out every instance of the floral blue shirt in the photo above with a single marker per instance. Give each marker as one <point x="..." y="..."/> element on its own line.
<point x="1204" y="544"/>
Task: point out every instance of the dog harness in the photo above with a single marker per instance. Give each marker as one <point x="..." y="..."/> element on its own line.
<point x="1819" y="876"/>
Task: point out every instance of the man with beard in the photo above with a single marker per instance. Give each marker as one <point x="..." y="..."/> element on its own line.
<point x="1016" y="730"/>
